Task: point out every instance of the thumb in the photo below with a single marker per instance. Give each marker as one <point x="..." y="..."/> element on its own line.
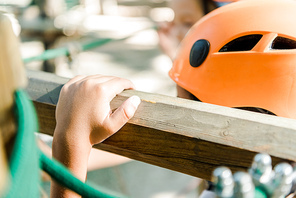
<point x="123" y="113"/>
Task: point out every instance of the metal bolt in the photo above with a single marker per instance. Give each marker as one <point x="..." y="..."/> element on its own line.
<point x="283" y="178"/>
<point x="261" y="170"/>
<point x="223" y="181"/>
<point x="243" y="185"/>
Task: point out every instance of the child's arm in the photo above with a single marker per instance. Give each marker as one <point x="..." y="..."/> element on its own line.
<point x="84" y="118"/>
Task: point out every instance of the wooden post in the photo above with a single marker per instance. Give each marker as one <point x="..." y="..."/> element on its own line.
<point x="182" y="135"/>
<point x="12" y="76"/>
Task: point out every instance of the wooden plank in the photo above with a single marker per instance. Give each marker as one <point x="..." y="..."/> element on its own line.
<point x="182" y="135"/>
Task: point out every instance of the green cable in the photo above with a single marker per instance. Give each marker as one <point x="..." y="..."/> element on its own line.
<point x="96" y="43"/>
<point x="24" y="164"/>
<point x="65" y="51"/>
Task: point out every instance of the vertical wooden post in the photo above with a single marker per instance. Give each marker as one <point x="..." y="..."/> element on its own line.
<point x="12" y="76"/>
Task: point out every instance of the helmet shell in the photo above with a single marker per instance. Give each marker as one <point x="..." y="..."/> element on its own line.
<point x="239" y="70"/>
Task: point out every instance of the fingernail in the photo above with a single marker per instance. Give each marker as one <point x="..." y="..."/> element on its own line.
<point x="135" y="100"/>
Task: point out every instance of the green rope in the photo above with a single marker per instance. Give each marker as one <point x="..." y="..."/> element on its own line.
<point x="24" y="169"/>
<point x="65" y="51"/>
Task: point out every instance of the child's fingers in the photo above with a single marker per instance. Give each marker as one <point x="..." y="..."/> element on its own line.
<point x="110" y="85"/>
<point x="122" y="114"/>
<point x="99" y="78"/>
<point x="115" y="86"/>
<point x="75" y="79"/>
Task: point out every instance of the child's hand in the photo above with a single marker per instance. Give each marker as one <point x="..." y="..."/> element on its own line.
<point x="84" y="111"/>
<point x="84" y="118"/>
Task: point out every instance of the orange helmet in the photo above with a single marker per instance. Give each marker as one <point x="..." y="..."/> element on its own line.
<point x="242" y="55"/>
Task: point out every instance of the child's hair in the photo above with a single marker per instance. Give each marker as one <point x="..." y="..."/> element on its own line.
<point x="12" y="77"/>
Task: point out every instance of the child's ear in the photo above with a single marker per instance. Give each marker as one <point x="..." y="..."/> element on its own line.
<point x="12" y="77"/>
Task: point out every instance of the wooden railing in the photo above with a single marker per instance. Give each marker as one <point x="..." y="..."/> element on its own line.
<point x="181" y="135"/>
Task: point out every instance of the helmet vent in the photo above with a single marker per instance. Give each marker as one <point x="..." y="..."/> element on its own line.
<point x="244" y="43"/>
<point x="282" y="43"/>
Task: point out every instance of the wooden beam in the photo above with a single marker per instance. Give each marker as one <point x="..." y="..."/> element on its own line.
<point x="182" y="135"/>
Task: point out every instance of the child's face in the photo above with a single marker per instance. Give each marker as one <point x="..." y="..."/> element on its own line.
<point x="187" y="12"/>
